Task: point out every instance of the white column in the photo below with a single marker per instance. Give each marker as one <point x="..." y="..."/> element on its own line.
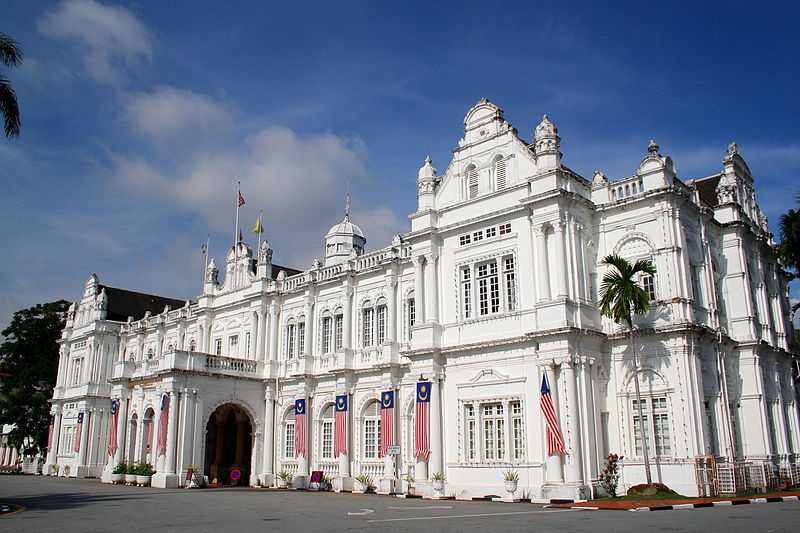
<point x="574" y="469"/>
<point x="543" y="273"/>
<point x="274" y="330"/>
<point x="268" y="458"/>
<point x="347" y="320"/>
<point x="309" y="333"/>
<point x="553" y="471"/>
<point x="419" y="289"/>
<point x="52" y="453"/>
<point x="84" y="438"/>
<point x="436" y="463"/>
<point x="172" y="431"/>
<point x="391" y="284"/>
<point x="431" y="289"/>
<point x="561" y="259"/>
<point x="122" y="422"/>
<point x="188" y="409"/>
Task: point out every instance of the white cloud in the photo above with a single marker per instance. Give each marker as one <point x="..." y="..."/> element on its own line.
<point x="111" y="38"/>
<point x="168" y="113"/>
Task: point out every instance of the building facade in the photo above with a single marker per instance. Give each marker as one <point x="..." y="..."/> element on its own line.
<point x="494" y="286"/>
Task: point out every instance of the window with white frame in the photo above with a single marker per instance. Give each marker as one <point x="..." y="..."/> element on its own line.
<point x="649" y="285"/>
<point x="478" y="235"/>
<point x="491" y="232"/>
<point x="290" y="327"/>
<point x="656" y="416"/>
<point x="470" y="433"/>
<point x="464" y="239"/>
<point x="325" y="334"/>
<point x="517" y="432"/>
<point x="327" y="433"/>
<point x="494" y="425"/>
<point x="217" y="346"/>
<point x="500" y="173"/>
<point x="510" y="282"/>
<point x="472" y="181"/>
<point x="504" y="229"/>
<point x="372" y="430"/>
<point x="338" y="327"/>
<point x="247" y="344"/>
<point x="412" y="314"/>
<point x="466" y="291"/>
<point x="233" y="345"/>
<point x="367" y="318"/>
<point x="288" y="438"/>
<point x="488" y="288"/>
<point x="380" y="319"/>
<point x="301" y="337"/>
<point x="77" y="370"/>
<point x="67" y="436"/>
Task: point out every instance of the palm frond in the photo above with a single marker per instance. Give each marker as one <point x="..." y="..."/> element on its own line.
<point x="9" y="108"/>
<point x="620" y="295"/>
<point x="10" y="52"/>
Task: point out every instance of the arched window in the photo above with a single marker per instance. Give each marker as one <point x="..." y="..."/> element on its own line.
<point x="288" y="435"/>
<point x="327" y="433"/>
<point x="289" y="343"/>
<point x="500" y="172"/>
<point x="411" y="313"/>
<point x="472" y="181"/>
<point x="372" y="430"/>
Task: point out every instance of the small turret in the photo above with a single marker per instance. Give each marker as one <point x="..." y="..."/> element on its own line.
<point x="547" y="144"/>
<point x="426" y="184"/>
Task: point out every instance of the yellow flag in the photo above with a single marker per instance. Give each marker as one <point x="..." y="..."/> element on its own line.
<point x="259" y="228"/>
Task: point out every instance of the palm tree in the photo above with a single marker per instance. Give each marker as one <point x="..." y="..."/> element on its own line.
<point x="10" y="56"/>
<point x="621" y="298"/>
<point x="789" y="248"/>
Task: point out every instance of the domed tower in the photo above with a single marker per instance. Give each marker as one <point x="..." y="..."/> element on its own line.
<point x="343" y="240"/>
<point x="547" y="144"/>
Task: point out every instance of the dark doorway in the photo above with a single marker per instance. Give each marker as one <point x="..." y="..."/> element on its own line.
<point x="229" y="444"/>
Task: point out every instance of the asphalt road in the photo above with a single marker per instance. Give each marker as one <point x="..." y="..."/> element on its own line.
<point x="68" y="505"/>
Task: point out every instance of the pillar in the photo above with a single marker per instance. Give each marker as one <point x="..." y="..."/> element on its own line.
<point x="562" y="287"/>
<point x="309" y="328"/>
<point x="172" y="433"/>
<point x="52" y="453"/>
<point x="87" y="417"/>
<point x="553" y="471"/>
<point x="254" y="440"/>
<point x="122" y="421"/>
<point x="268" y="460"/>
<point x="391" y="283"/>
<point x="432" y="289"/>
<point x="261" y="333"/>
<point x="419" y="291"/>
<point x="543" y="271"/>
<point x="347" y="319"/>
<point x="273" y="330"/>
<point x="436" y="460"/>
<point x="574" y="469"/>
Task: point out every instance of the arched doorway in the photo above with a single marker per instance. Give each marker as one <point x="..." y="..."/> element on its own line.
<point x="229" y="442"/>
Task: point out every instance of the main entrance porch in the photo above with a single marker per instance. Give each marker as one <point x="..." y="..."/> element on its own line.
<point x="229" y="441"/>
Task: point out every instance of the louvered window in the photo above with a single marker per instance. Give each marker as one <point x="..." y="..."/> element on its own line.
<point x="472" y="180"/>
<point x="500" y="173"/>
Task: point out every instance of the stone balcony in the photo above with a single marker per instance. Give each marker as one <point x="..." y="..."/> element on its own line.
<point x="360" y="359"/>
<point x="183" y="361"/>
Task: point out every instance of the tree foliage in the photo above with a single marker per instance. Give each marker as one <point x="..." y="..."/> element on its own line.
<point x="620" y="294"/>
<point x="10" y="56"/>
<point x="789" y="248"/>
<point x="28" y="369"/>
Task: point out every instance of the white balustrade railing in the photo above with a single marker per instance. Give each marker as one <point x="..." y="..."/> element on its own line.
<point x="243" y="366"/>
<point x="373" y="469"/>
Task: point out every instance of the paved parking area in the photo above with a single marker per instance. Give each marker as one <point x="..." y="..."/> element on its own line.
<point x="65" y="505"/>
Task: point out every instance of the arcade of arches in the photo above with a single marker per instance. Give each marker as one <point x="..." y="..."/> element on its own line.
<point x="229" y="438"/>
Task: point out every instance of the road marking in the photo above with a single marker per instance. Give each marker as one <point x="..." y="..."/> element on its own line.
<point x="477" y="515"/>
<point x="421" y="507"/>
<point x="364" y="511"/>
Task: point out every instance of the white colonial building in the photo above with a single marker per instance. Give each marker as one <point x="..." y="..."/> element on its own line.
<point x="493" y="286"/>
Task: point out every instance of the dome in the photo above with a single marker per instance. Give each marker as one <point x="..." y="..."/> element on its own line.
<point x="546" y="128"/>
<point x="427" y="171"/>
<point x="345" y="227"/>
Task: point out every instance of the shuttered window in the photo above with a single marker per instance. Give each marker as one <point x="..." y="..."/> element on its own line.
<point x="472" y="181"/>
<point x="500" y="173"/>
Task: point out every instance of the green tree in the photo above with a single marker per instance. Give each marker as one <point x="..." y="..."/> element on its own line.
<point x="28" y="369"/>
<point x="10" y="56"/>
<point x="621" y="298"/>
<point x="789" y="248"/>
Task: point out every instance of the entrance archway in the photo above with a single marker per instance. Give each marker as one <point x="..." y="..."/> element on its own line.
<point x="229" y="442"/>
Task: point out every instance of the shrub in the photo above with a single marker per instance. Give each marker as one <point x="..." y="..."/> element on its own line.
<point x="438" y="476"/>
<point x="510" y="475"/>
<point x="610" y="474"/>
<point x="121" y="468"/>
<point x="285" y="476"/>
<point x="365" y="480"/>
<point x="143" y="469"/>
<point x="643" y="489"/>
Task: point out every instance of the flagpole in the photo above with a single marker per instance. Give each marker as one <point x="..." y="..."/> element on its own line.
<point x="236" y="231"/>
<point x="258" y="249"/>
<point x="205" y="257"/>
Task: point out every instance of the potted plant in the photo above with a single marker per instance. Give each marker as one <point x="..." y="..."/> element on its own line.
<point x="284" y="479"/>
<point x="511" y="478"/>
<point x="438" y="479"/>
<point x="410" y="484"/>
<point x="118" y="474"/>
<point x="363" y="483"/>
<point x="144" y="474"/>
<point x="610" y="475"/>
<point x="66" y="471"/>
<point x="130" y="474"/>
<point x="54" y="470"/>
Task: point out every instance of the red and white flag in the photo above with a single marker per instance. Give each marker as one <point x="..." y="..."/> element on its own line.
<point x="387" y="422"/>
<point x="241" y="199"/>
<point x="76" y="441"/>
<point x="163" y="423"/>
<point x="555" y="441"/>
<point x="340" y="438"/>
<point x="300" y="428"/>
<point x="112" y="427"/>
<point x="422" y="423"/>
<point x="50" y="434"/>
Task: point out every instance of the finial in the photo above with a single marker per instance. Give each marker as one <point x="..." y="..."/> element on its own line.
<point x="652" y="147"/>
<point x="347" y="207"/>
<point x="428" y="159"/>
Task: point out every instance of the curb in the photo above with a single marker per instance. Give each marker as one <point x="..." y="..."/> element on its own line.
<point x="688" y="506"/>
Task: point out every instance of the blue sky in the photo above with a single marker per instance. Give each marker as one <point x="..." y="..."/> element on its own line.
<point x="138" y="117"/>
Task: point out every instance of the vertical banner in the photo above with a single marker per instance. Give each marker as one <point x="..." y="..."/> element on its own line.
<point x="76" y="440"/>
<point x="112" y="427"/>
<point x="300" y="428"/>
<point x="387" y="422"/>
<point x="422" y="422"/>
<point x="163" y="423"/>
<point x="340" y="439"/>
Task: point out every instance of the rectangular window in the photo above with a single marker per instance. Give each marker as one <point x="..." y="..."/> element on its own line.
<point x="367" y="317"/>
<point x="372" y="435"/>
<point x="466" y="291"/>
<point x="477" y="236"/>
<point x="483" y="289"/>
<point x="518" y="442"/>
<point x="491" y="232"/>
<point x="470" y="443"/>
<point x="233" y="345"/>
<point x="338" y="326"/>
<point x="649" y="286"/>
<point x="325" y="333"/>
<point x="218" y="346"/>
<point x="412" y="316"/>
<point x="290" y="341"/>
<point x="381" y="324"/>
<point x="472" y="180"/>
<point x="327" y="439"/>
<point x="500" y="170"/>
<point x="301" y="338"/>
<point x="288" y="441"/>
<point x="464" y="239"/>
<point x="511" y="292"/>
<point x="656" y="417"/>
<point x="505" y="228"/>
<point x="494" y="288"/>
<point x="247" y="344"/>
<point x="493" y="432"/>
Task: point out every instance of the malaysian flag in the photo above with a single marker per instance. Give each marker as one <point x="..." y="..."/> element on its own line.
<point x="555" y="442"/>
<point x="112" y="427"/>
<point x="387" y="422"/>
<point x="422" y="425"/>
<point x="340" y="439"/>
<point x="163" y="422"/>
<point x="241" y="201"/>
<point x="50" y="434"/>
<point x="300" y="428"/>
<point x="76" y="441"/>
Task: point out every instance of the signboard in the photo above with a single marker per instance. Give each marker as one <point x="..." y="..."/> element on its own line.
<point x="316" y="476"/>
<point x="393" y="450"/>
